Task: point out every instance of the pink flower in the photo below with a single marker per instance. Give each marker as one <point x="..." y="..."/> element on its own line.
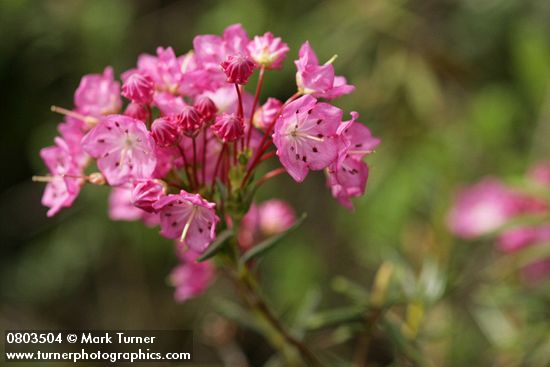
<point x="264" y="220"/>
<point x="168" y="104"/>
<point x="348" y="175"/>
<point x="164" y="131"/>
<point x="228" y="127"/>
<point x="276" y="216"/>
<point x="137" y="111"/>
<point x="120" y="205"/>
<point x="357" y="138"/>
<point x="318" y="80"/>
<point x="540" y="173"/>
<point x="268" y="51"/>
<point x="211" y="51"/>
<point x="191" y="278"/>
<point x="266" y="114"/>
<point x="121" y="208"/>
<point x="123" y="148"/>
<point x="63" y="184"/>
<point x="146" y="193"/>
<point x="164" y="69"/>
<point x="305" y="136"/>
<point x="189" y="218"/>
<point x="482" y="208"/>
<point x="347" y="179"/>
<point x="98" y="94"/>
<point x="237" y="68"/>
<point x="516" y="239"/>
<point x="138" y="87"/>
<point x="536" y="271"/>
<point x="205" y="107"/>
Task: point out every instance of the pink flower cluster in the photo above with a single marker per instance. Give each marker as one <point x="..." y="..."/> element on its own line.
<point x="189" y="127"/>
<point x="491" y="207"/>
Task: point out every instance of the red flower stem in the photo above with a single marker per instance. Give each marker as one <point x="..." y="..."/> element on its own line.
<point x="185" y="165"/>
<point x="149" y="116"/>
<point x="204" y="142"/>
<point x="268" y="176"/>
<point x="266" y="156"/>
<point x="195" y="175"/>
<point x="262" y="147"/>
<point x="217" y="167"/>
<point x="256" y="98"/>
<point x="235" y="148"/>
<point x="241" y="110"/>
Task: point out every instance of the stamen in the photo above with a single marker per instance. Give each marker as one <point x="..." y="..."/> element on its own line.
<point x="89" y="120"/>
<point x="188" y="224"/>
<point x="42" y="178"/>
<point x="331" y="60"/>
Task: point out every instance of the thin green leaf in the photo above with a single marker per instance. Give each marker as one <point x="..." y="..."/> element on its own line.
<point x="336" y="317"/>
<point x="269" y="243"/>
<point x="217" y="245"/>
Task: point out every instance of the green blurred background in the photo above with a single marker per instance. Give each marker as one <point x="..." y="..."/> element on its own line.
<point x="455" y="89"/>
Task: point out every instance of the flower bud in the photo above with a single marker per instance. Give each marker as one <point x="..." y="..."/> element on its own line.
<point x="189" y="120"/>
<point x="206" y="108"/>
<point x="164" y="131"/>
<point x="139" y="88"/>
<point x="238" y="68"/>
<point x="228" y="127"/>
<point x="146" y="193"/>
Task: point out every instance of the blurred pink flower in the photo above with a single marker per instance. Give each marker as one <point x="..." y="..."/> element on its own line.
<point x="191" y="278"/>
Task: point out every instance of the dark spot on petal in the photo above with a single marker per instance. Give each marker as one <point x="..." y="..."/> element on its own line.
<point x="310" y="111"/>
<point x="117" y="124"/>
<point x="297" y="156"/>
<point x="201" y="230"/>
<point x="292" y="148"/>
<point x="174" y="224"/>
<point x="304" y="158"/>
<point x="320" y="135"/>
<point x="117" y="164"/>
<point x="314" y="150"/>
<point x="319" y="121"/>
<point x="298" y="111"/>
<point x="101" y="140"/>
<point x="167" y="214"/>
<point x="358" y="145"/>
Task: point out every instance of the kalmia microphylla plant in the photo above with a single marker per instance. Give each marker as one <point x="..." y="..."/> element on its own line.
<point x="180" y="142"/>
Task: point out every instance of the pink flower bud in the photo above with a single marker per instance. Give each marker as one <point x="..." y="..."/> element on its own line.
<point x="228" y="127"/>
<point x="138" y="87"/>
<point x="189" y="120"/>
<point x="137" y="111"/>
<point x="146" y="193"/>
<point x="206" y="108"/>
<point x="164" y="131"/>
<point x="238" y="68"/>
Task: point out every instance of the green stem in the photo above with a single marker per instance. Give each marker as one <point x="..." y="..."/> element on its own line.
<point x="294" y="351"/>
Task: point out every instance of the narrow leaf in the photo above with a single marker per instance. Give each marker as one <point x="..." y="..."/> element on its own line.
<point x="269" y="243"/>
<point x="217" y="245"/>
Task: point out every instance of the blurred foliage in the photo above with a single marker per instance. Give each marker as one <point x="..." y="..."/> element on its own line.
<point x="456" y="89"/>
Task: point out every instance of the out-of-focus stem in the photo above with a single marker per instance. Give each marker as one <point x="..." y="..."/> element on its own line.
<point x="255" y="103"/>
<point x="294" y="351"/>
<point x="268" y="176"/>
